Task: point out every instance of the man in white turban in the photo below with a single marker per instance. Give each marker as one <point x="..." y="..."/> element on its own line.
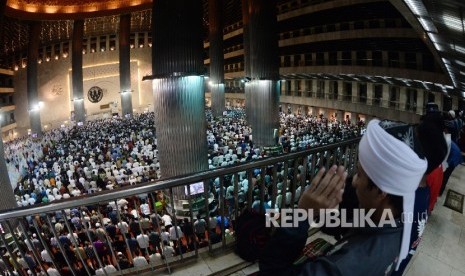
<point x="388" y="173"/>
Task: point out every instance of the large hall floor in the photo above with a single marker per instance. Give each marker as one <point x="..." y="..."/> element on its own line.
<point x="442" y="251"/>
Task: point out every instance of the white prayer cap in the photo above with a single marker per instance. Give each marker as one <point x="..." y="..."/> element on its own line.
<point x="394" y="167"/>
<point x="452" y="113"/>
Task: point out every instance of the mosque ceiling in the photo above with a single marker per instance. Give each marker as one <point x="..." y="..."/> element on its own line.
<point x="440" y="23"/>
<point x="14" y="30"/>
<point x="70" y="9"/>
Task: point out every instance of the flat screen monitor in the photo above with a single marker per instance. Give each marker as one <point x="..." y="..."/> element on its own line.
<point x="195" y="188"/>
<point x="80" y="123"/>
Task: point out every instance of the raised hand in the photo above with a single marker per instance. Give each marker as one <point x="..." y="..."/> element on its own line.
<point x="326" y="190"/>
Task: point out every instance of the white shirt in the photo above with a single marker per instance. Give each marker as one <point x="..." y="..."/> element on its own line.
<point x="145" y="209"/>
<point x="139" y="261"/>
<point x="166" y="220"/>
<point x="46" y="257"/>
<point x="122" y="202"/>
<point x="155" y="259"/>
<point x="123" y="227"/>
<point x="53" y="272"/>
<point x="168" y="252"/>
<point x="143" y="241"/>
<point x="110" y="269"/>
<point x="173" y="235"/>
<point x="165" y="236"/>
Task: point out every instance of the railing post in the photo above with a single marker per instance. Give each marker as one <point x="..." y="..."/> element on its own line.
<point x="275" y="189"/>
<point x="71" y="268"/>
<point x="10" y="252"/>
<point x="303" y="175"/>
<point x="44" y="244"/>
<point x="159" y="234"/>
<point x="108" y="241"/>
<point x="93" y="247"/>
<point x="73" y="240"/>
<point x="262" y="190"/>
<point x="10" y="229"/>
<point x="176" y="224"/>
<point x="32" y="246"/>
<point x="284" y="187"/>
<point x="236" y="197"/>
<point x="250" y="189"/>
<point x="192" y="220"/>
<point x="294" y="182"/>
<point x="206" y="188"/>
<point x="221" y="205"/>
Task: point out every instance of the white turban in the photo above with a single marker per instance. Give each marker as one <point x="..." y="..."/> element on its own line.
<point x="395" y="168"/>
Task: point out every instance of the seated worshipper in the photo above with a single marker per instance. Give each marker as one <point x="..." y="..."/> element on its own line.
<point x="388" y="174"/>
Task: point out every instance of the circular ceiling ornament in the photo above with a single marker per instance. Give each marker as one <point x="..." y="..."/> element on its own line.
<point x="95" y="94"/>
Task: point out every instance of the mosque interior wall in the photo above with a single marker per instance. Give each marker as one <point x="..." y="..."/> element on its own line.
<point x="99" y="69"/>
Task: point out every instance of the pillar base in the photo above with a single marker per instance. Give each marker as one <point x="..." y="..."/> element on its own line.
<point x="264" y="103"/>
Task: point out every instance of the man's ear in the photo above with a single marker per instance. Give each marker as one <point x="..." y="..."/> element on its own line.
<point x="381" y="195"/>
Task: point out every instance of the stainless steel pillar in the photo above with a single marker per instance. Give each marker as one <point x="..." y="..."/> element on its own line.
<point x="125" y="64"/>
<point x="264" y="72"/>
<point x="76" y="65"/>
<point x="178" y="86"/>
<point x="215" y="10"/>
<point x="7" y="197"/>
<point x="246" y="43"/>
<point x="32" y="89"/>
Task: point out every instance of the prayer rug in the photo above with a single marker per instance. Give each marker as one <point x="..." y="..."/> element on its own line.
<point x="454" y="201"/>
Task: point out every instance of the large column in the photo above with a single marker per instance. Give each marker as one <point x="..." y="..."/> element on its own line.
<point x="178" y="86"/>
<point x="2" y="19"/>
<point x="402" y="98"/>
<point x="340" y="90"/>
<point x="315" y="87"/>
<point x="246" y="42"/>
<point x="7" y="197"/>
<point x="438" y="100"/>
<point x="215" y="11"/>
<point x="264" y="71"/>
<point x="355" y="92"/>
<point x="32" y="89"/>
<point x="340" y="115"/>
<point x="76" y="64"/>
<point x="370" y="93"/>
<point x="385" y="99"/>
<point x="125" y="64"/>
<point x="455" y="102"/>
<point x="326" y="89"/>
<point x="420" y="100"/>
<point x="293" y="88"/>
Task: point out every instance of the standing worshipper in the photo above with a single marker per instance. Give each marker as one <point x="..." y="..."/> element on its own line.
<point x="388" y="174"/>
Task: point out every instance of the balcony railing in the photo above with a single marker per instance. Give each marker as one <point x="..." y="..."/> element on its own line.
<point x="349" y="98"/>
<point x="35" y="232"/>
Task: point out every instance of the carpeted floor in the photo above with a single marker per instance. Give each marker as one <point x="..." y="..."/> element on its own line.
<point x="454" y="201"/>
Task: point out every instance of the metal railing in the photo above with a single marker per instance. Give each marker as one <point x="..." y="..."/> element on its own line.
<point x="66" y="235"/>
<point x="396" y="105"/>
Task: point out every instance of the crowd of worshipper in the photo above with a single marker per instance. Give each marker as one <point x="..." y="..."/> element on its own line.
<point x="109" y="153"/>
<point x="138" y="232"/>
<point x="135" y="232"/>
<point x="112" y="243"/>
